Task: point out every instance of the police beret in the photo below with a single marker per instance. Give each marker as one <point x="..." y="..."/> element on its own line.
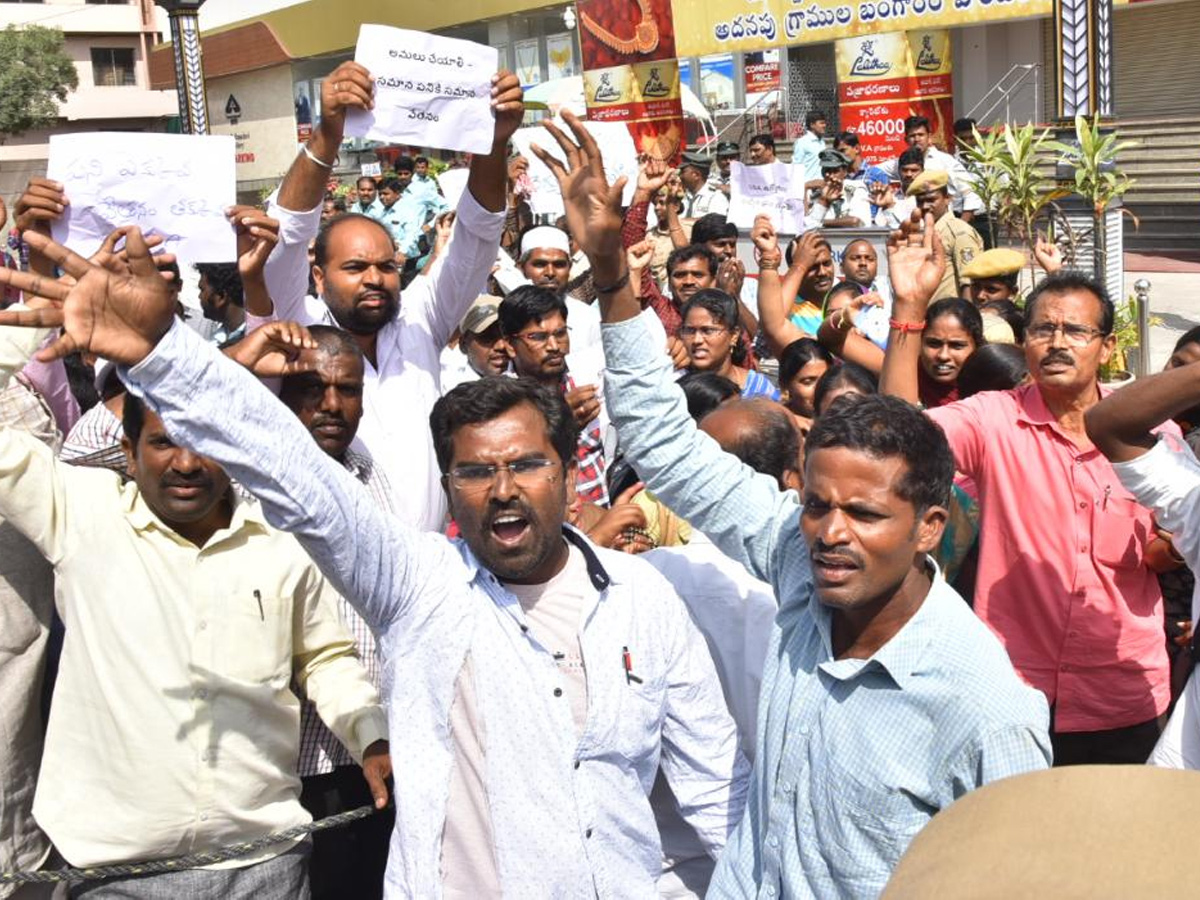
<point x="698" y="160"/>
<point x="832" y="159"/>
<point x="728" y="148"/>
<point x="995" y="264"/>
<point x="929" y="180"/>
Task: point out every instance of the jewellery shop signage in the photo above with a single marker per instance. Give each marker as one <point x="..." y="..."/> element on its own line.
<point x="630" y="73"/>
<point x="720" y="26"/>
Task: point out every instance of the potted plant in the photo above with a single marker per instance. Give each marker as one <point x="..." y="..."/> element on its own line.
<point x="1093" y="157"/>
<point x="1117" y="372"/>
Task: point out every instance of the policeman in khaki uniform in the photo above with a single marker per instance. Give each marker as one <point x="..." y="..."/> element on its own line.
<point x="962" y="242"/>
<point x="994" y="274"/>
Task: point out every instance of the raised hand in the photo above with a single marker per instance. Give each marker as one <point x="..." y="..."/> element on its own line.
<point x="349" y="86"/>
<point x="275" y="350"/>
<point x="42" y="203"/>
<point x="622" y="527"/>
<point x="882" y="194"/>
<point x="1047" y="254"/>
<point x="638" y="257"/>
<point x="584" y="402"/>
<point x="593" y="206"/>
<point x="257" y="235"/>
<point x="808" y="249"/>
<point x="731" y="275"/>
<point x="652" y="175"/>
<point x="118" y="316"/>
<point x="916" y="263"/>
<point x="509" y="106"/>
<point x="766" y="240"/>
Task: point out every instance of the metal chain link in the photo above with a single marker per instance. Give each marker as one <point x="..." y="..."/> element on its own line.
<point x="191" y="861"/>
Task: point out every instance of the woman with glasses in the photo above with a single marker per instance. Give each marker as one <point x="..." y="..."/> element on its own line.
<point x="712" y="338"/>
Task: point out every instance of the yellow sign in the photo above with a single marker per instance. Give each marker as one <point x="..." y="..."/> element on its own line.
<point x="720" y="26"/>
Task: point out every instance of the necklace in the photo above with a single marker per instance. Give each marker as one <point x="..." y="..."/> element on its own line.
<point x="645" y="34"/>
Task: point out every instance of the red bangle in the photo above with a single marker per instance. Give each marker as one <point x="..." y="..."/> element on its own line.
<point x="906" y="327"/>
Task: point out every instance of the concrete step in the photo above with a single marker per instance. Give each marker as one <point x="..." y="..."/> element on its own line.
<point x="1159" y="243"/>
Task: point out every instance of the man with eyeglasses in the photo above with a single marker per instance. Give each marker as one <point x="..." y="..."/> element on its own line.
<point x="534" y="323"/>
<point x="1063" y="576"/>
<point x="546" y="680"/>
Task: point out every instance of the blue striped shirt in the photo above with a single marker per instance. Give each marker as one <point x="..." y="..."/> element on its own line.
<point x="854" y="756"/>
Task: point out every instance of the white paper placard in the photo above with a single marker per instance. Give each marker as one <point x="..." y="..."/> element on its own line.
<point x="453" y="182"/>
<point x="174" y="185"/>
<point x="371" y="170"/>
<point x="769" y="190"/>
<point x="430" y="91"/>
<point x="616" y="145"/>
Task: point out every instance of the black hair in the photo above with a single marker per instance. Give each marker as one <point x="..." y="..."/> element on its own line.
<point x="421" y="159"/>
<point x="964" y="310"/>
<point x="339" y="205"/>
<point x="321" y="244"/>
<point x="690" y="252"/>
<point x="993" y="367"/>
<point x="765" y="139"/>
<point x="911" y="157"/>
<point x="772" y="444"/>
<point x="224" y="280"/>
<point x="1010" y="313"/>
<point x="798" y="354"/>
<point x="813" y="116"/>
<point x="1191" y="336"/>
<point x="863" y="380"/>
<point x="529" y="303"/>
<point x="964" y="124"/>
<point x="705" y="391"/>
<point x="849" y="138"/>
<point x="334" y="341"/>
<point x="912" y="123"/>
<point x="712" y="227"/>
<point x="886" y="427"/>
<point x="362" y="178"/>
<point x="842" y="287"/>
<point x="488" y="398"/>
<point x="81" y="379"/>
<point x="1065" y="280"/>
<point x="719" y="305"/>
<point x="391" y="183"/>
<point x="405" y="164"/>
<point x="133" y="418"/>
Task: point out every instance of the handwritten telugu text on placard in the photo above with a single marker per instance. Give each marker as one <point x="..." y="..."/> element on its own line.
<point x="430" y="91"/>
<point x="769" y="190"/>
<point x="174" y="185"/>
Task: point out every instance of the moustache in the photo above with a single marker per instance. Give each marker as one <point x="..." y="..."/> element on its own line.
<point x="322" y="421"/>
<point x="1058" y="356"/>
<point x="827" y="554"/>
<point x="200" y="480"/>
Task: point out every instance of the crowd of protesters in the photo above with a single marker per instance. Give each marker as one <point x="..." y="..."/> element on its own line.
<point x="595" y="563"/>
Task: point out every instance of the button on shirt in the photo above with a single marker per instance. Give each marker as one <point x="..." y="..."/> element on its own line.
<point x="854" y="756"/>
<point x="1061" y="576"/>
<point x="174" y="728"/>
<point x="398" y="392"/>
<point x="570" y="816"/>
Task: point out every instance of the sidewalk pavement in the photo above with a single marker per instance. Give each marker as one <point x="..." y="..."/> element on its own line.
<point x="1174" y="297"/>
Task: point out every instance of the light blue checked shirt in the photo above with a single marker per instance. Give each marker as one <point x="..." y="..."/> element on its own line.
<point x="854" y="756"/>
<point x="570" y="815"/>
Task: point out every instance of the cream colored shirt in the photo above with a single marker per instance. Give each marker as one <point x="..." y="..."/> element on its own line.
<point x="173" y="728"/>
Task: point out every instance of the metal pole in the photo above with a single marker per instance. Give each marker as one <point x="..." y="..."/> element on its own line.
<point x="1141" y="289"/>
<point x="189" y="68"/>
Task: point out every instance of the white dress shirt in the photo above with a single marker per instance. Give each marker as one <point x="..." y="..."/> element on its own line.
<point x="398" y="392"/>
<point x="570" y="815"/>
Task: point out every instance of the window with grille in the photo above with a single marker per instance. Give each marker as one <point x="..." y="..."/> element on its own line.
<point x="113" y="67"/>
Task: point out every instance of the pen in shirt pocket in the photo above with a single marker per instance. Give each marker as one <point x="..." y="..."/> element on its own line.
<point x="258" y="596"/>
<point x="627" y="663"/>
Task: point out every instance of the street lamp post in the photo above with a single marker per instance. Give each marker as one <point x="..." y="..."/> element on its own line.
<point x="189" y="70"/>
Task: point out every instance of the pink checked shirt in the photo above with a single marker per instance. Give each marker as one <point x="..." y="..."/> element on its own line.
<point x="1061" y="575"/>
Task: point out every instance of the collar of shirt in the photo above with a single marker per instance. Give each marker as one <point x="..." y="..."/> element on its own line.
<point x="246" y="514"/>
<point x="901" y="656"/>
<point x="1032" y="408"/>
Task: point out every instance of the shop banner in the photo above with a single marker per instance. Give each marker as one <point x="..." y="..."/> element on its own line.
<point x="873" y="92"/>
<point x="630" y="73"/>
<point x="761" y="78"/>
<point x="720" y="26"/>
<point x="931" y="90"/>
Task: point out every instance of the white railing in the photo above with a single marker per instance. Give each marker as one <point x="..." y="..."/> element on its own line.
<point x="1015" y="81"/>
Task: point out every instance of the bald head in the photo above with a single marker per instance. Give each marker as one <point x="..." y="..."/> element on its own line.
<point x="759" y="433"/>
<point x="860" y="263"/>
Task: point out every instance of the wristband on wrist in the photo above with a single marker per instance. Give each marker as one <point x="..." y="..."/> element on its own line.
<point x="615" y="286"/>
<point x="316" y="159"/>
<point x="905" y="327"/>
